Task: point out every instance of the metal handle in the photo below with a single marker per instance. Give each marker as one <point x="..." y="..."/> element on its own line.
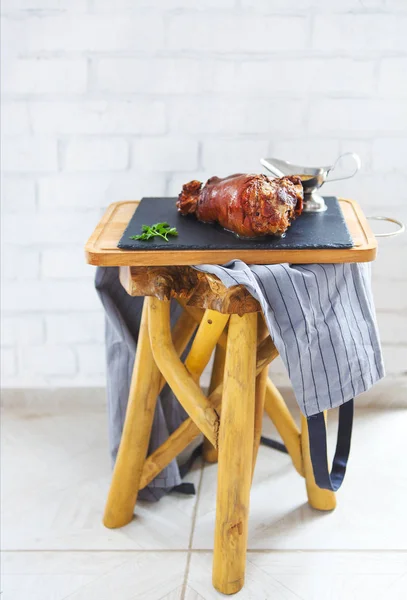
<point x="276" y="172"/>
<point x="358" y="163"/>
<point x="401" y="225"/>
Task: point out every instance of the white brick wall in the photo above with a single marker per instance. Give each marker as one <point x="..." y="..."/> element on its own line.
<point x="96" y="155"/>
<point x="112" y="99"/>
<point x="41" y="76"/>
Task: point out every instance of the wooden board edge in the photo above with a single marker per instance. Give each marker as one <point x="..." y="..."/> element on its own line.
<point x="118" y="258"/>
<point x="90" y="250"/>
<point x="189" y="258"/>
<point x="371" y="240"/>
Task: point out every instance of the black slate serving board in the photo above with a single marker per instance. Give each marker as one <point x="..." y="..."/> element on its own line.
<point x="311" y="230"/>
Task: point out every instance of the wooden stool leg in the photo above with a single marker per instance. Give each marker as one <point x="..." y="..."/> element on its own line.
<point x="317" y="497"/>
<point x="210" y="453"/>
<point x="188" y="393"/>
<point x="261" y="380"/>
<point x="283" y="421"/>
<point x="235" y="455"/>
<point x="144" y="389"/>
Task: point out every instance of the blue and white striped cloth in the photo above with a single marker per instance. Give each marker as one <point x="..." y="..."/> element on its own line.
<point x="322" y="320"/>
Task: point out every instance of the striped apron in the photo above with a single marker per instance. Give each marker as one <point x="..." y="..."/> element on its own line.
<point x="322" y="321"/>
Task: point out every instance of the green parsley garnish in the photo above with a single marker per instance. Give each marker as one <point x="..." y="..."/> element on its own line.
<point x="158" y="229"/>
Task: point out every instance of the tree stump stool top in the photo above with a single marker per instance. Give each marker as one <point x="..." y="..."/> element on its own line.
<point x="191" y="287"/>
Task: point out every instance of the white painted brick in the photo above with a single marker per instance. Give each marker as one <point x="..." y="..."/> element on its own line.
<point x="109" y="6"/>
<point x="92" y="359"/>
<point x="70" y="192"/>
<point x="165" y="154"/>
<point x="54" y="5"/>
<point x="17" y="195"/>
<point x="8" y="362"/>
<point x="277" y="5"/>
<point x="237" y="33"/>
<point x="92" y="33"/>
<point x="45" y="228"/>
<point x="63" y="263"/>
<point x="359" y="33"/>
<point x="29" y="154"/>
<point x="12" y="35"/>
<point x="136" y="184"/>
<point x="135" y="116"/>
<point x="18" y="262"/>
<point x="298" y="76"/>
<point x="43" y="76"/>
<point x="393" y="328"/>
<point x="395" y="359"/>
<point x="390" y="154"/>
<point x="240" y="78"/>
<point x="390" y="295"/>
<point x="373" y="191"/>
<point x="75" y="329"/>
<point x="7" y="336"/>
<point x="50" y="296"/>
<point x="390" y="261"/>
<point x="233" y="156"/>
<point x="303" y="6"/>
<point x="306" y="152"/>
<point x="25" y="330"/>
<point x="344" y="116"/>
<point x="361" y="147"/>
<point x="165" y="75"/>
<point x="395" y="5"/>
<point x="393" y="77"/>
<point x="14" y="118"/>
<point x="192" y="115"/>
<point x="177" y="180"/>
<point x="49" y="360"/>
<point x="96" y="155"/>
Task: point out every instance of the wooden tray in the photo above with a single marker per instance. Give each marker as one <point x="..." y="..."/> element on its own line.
<point x="101" y="248"/>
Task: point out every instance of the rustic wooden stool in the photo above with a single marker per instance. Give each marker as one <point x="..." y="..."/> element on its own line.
<point x="230" y="417"/>
<point x="228" y="321"/>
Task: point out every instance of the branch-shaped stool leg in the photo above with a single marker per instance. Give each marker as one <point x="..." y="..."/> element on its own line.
<point x="210" y="453"/>
<point x="283" y="421"/>
<point x="261" y="380"/>
<point x="144" y="389"/>
<point x="179" y="440"/>
<point x="176" y="374"/>
<point x="317" y="497"/>
<point x="147" y="382"/>
<point x="235" y="455"/>
<point x="210" y="330"/>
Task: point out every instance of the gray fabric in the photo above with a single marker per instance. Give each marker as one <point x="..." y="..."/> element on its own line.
<point x="321" y="318"/>
<point x="322" y="321"/>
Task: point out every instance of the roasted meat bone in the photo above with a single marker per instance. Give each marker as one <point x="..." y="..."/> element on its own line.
<point x="249" y="205"/>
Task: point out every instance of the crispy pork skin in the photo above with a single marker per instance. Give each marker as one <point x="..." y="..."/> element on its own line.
<point x="249" y="205"/>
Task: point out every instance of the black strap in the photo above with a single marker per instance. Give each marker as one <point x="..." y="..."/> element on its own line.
<point x="319" y="451"/>
<point x="185" y="488"/>
<point x="275" y="444"/>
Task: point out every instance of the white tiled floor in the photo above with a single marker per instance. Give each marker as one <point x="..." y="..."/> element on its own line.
<point x="55" y="475"/>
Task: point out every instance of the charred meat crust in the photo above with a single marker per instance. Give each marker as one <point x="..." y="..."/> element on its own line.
<point x="249" y="205"/>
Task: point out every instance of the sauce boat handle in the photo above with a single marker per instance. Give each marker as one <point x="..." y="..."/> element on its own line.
<point x="358" y="164"/>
